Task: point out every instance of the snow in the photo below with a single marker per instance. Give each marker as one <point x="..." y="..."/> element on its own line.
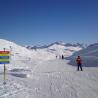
<point x="18" y="52"/>
<point x="55" y="80"/>
<point x="30" y="76"/>
<point x="65" y="50"/>
<point x="22" y="53"/>
<point x="89" y="56"/>
<point x="91" y="50"/>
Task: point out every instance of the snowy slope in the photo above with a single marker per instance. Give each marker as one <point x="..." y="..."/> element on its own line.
<point x="15" y="49"/>
<point x="21" y="57"/>
<point x="51" y="79"/>
<point x="65" y="50"/>
<point x="48" y="52"/>
<point x="89" y="56"/>
<point x="21" y="53"/>
<point x="91" y="50"/>
<point x="38" y="74"/>
<point x="58" y="48"/>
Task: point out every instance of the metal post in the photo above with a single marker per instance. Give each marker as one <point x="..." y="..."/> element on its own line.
<point x="4" y="73"/>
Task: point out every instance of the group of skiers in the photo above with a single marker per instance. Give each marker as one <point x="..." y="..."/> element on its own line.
<point x="78" y="61"/>
<point x="60" y="57"/>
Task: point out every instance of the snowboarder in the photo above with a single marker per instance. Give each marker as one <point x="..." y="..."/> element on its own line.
<point x="79" y="63"/>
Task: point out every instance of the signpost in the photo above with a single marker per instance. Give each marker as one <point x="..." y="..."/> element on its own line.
<point x="4" y="59"/>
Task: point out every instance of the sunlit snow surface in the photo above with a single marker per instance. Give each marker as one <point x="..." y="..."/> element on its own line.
<point x="50" y="79"/>
<point x="38" y="74"/>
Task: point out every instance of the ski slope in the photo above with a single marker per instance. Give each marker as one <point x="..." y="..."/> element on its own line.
<point x="50" y="79"/>
<point x="38" y="74"/>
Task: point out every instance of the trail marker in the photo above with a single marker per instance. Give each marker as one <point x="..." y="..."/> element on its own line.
<point x="4" y="59"/>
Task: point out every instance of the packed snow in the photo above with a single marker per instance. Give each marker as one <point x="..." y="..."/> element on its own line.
<point x="30" y="76"/>
<point x="50" y="79"/>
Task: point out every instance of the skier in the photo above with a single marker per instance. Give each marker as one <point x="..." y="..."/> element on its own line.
<point x="62" y="56"/>
<point x="79" y="63"/>
<point x="56" y="56"/>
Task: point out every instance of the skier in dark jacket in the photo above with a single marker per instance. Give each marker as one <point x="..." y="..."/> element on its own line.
<point x="79" y="63"/>
<point x="62" y="56"/>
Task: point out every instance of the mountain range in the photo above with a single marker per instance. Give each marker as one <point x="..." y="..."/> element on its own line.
<point x="49" y="52"/>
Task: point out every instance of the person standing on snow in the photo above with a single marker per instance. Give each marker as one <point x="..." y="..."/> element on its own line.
<point x="79" y="63"/>
<point x="62" y="56"/>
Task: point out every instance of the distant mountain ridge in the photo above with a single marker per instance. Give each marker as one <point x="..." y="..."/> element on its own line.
<point x="89" y="56"/>
<point x="91" y="50"/>
<point x="56" y="43"/>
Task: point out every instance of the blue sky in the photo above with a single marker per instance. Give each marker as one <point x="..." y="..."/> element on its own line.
<point x="46" y="21"/>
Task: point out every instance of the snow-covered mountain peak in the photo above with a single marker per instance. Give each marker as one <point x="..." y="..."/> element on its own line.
<point x="58" y="43"/>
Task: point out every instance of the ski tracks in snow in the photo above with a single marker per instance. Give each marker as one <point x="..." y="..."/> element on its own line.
<point x="53" y="83"/>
